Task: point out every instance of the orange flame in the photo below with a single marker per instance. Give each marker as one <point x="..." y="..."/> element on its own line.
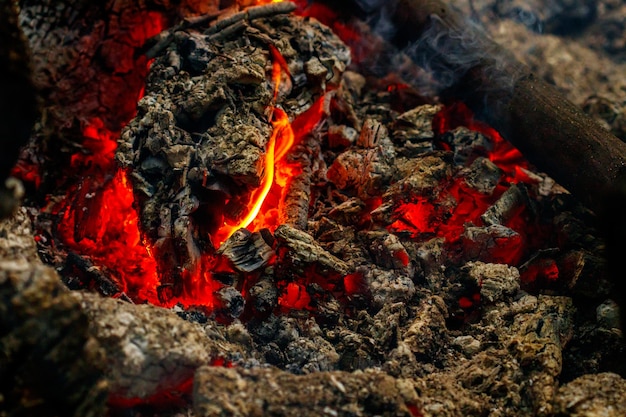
<point x="280" y="142"/>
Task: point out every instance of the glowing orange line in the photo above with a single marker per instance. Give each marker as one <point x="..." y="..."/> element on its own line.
<point x="286" y="138"/>
<point x="268" y="180"/>
<point x="276" y="149"/>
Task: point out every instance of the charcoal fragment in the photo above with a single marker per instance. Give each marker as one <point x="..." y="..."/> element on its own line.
<point x="247" y="251"/>
<point x="510" y="203"/>
<point x="304" y="251"/>
<point x="495" y="280"/>
<point x="483" y="175"/>
<point x="341" y="136"/>
<point x="230" y="303"/>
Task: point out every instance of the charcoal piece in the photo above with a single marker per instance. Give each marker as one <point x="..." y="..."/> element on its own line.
<point x="238" y="334"/>
<point x="592" y="395"/>
<point x="316" y="72"/>
<point x="250" y="13"/>
<point x="401" y="362"/>
<point x="349" y="212"/>
<point x="415" y="125"/>
<point x="427" y="335"/>
<point x="264" y="295"/>
<point x="430" y="255"/>
<point x="496" y="243"/>
<point x="385" y="286"/>
<point x="280" y="393"/>
<point x="510" y="203"/>
<point x="466" y="144"/>
<point x="525" y="339"/>
<point x="420" y="177"/>
<point x="365" y="171"/>
<point x="247" y="251"/>
<point x="229" y="304"/>
<point x="294" y="207"/>
<point x="388" y="252"/>
<point x="50" y="364"/>
<point x="483" y="176"/>
<point x="386" y="325"/>
<point x="297" y="199"/>
<point x="357" y="351"/>
<point x="307" y="355"/>
<point x="540" y="337"/>
<point x="303" y="251"/>
<point x="495" y="280"/>
<point x="372" y="134"/>
<point x="280" y="330"/>
<point x="16" y="238"/>
<point x="341" y="136"/>
<point x="149" y="349"/>
<point x="80" y="273"/>
<point x="466" y="344"/>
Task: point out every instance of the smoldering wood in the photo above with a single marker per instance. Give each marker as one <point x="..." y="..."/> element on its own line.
<point x="509" y="360"/>
<point x="251" y="13"/>
<point x="150" y="350"/>
<point x="550" y="131"/>
<point x="80" y="273"/>
<point x="275" y="392"/>
<point x="295" y="207"/>
<point x="303" y="251"/>
<point x="196" y="157"/>
<point x="483" y="175"/>
<point x="592" y="395"/>
<point x="368" y="166"/>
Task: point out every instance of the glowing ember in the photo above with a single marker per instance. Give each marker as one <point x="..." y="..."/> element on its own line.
<point x="458" y="205"/>
<point x="99" y="220"/>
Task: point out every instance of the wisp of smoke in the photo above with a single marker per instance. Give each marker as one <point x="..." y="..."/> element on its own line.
<point x="447" y="50"/>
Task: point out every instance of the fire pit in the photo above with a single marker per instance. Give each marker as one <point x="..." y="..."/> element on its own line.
<point x="256" y="217"/>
